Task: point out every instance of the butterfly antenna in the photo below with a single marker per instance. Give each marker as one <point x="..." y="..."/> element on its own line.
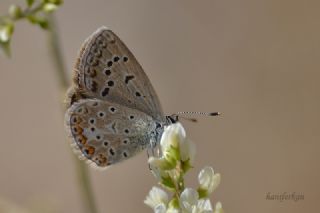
<point x="197" y="113"/>
<point x="194" y="120"/>
<point x="200" y="113"/>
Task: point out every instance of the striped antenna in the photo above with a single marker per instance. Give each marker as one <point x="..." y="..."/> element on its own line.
<point x="200" y="113"/>
<point x="196" y="113"/>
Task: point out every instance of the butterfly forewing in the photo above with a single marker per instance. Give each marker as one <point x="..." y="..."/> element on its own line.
<point x="107" y="133"/>
<point x="107" y="70"/>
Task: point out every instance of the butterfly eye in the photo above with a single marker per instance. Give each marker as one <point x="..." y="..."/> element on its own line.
<point x="158" y="125"/>
<point x="125" y="58"/>
<point x="131" y="117"/>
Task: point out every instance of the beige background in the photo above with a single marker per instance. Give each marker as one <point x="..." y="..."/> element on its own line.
<point x="256" y="61"/>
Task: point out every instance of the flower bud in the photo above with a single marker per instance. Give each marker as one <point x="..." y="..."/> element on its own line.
<point x="218" y="208"/>
<point x="208" y="181"/>
<point x="156" y="198"/>
<point x="50" y="7"/>
<point x="15" y="11"/>
<point x="6" y="32"/>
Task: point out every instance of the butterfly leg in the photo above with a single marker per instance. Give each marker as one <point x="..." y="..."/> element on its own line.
<point x="152" y="150"/>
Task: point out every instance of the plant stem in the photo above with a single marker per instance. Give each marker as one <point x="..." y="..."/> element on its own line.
<point x="25" y="13"/>
<point x="60" y="68"/>
<point x="56" y="52"/>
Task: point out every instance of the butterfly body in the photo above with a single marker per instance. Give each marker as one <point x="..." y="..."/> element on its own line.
<point x="113" y="111"/>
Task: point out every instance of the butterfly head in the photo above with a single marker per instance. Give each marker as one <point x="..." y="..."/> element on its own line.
<point x="171" y="119"/>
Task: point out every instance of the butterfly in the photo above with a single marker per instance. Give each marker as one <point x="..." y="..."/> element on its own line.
<point x="113" y="111"/>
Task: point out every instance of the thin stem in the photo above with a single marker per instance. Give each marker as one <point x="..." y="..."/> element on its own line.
<point x="30" y="11"/>
<point x="57" y="57"/>
<point x="82" y="170"/>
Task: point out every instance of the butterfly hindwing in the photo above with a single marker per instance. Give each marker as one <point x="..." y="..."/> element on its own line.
<point x="107" y="70"/>
<point x="107" y="133"/>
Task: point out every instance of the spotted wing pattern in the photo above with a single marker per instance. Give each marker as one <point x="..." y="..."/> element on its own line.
<point x="107" y="70"/>
<point x="107" y="133"/>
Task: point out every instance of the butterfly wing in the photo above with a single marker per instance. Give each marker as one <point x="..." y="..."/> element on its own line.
<point x="107" y="133"/>
<point x="107" y="70"/>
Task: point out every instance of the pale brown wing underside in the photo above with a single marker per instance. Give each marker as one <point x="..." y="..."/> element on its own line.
<point x="107" y="133"/>
<point x="107" y="70"/>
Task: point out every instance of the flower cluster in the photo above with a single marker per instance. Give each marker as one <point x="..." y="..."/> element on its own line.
<point x="177" y="158"/>
<point x="35" y="12"/>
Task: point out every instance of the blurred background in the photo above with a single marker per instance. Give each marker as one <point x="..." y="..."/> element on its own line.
<point x="257" y="62"/>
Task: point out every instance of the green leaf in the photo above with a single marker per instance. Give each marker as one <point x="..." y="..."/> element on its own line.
<point x="6" y="32"/>
<point x="174" y="203"/>
<point x="202" y="193"/>
<point x="186" y="166"/>
<point x="56" y="2"/>
<point x="168" y="183"/>
<point x="30" y="2"/>
<point x="170" y="160"/>
<point x="41" y="21"/>
<point x="44" y="24"/>
<point x="5" y="46"/>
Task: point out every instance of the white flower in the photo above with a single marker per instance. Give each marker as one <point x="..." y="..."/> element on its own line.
<point x="204" y="206"/>
<point x="156" y="199"/>
<point x="172" y="210"/>
<point x="175" y="136"/>
<point x="159" y="163"/>
<point x="160" y="208"/>
<point x="190" y="203"/>
<point x="4" y="34"/>
<point x="187" y="151"/>
<point x="172" y="135"/>
<point x="50" y="7"/>
<point x="208" y="180"/>
<point x="218" y="208"/>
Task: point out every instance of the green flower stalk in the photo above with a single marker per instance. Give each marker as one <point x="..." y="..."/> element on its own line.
<point x="36" y="12"/>
<point x="170" y="169"/>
